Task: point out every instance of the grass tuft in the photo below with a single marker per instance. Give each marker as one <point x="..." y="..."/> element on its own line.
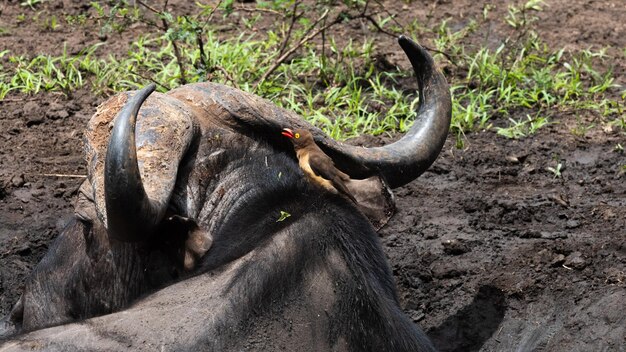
<point x="516" y="88"/>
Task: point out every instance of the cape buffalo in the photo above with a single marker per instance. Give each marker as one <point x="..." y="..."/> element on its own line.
<point x="197" y="231"/>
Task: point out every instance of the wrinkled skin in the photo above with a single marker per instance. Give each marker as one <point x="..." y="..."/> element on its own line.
<point x="215" y="267"/>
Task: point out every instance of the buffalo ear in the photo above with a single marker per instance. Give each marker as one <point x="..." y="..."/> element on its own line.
<point x="374" y="199"/>
<point x="85" y="206"/>
<point x="197" y="244"/>
<point x="194" y="240"/>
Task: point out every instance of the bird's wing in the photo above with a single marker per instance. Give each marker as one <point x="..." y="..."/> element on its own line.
<point x="323" y="166"/>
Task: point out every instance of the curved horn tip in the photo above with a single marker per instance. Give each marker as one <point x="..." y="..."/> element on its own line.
<point x="148" y="89"/>
<point x="403" y="40"/>
<point x="414" y="50"/>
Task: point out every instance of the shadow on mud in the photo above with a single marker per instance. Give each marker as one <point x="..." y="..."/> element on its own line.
<point x="473" y="325"/>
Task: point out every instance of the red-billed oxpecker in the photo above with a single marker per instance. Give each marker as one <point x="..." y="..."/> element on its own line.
<point x="316" y="165"/>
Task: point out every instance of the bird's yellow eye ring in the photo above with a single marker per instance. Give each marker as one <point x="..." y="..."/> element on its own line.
<point x="297" y="135"/>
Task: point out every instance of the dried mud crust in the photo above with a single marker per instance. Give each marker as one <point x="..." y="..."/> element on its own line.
<point x="489" y="249"/>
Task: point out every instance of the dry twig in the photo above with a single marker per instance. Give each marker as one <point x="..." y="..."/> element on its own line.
<point x="162" y="85"/>
<point x="166" y="28"/>
<point x="294" y="17"/>
<point x="62" y="175"/>
<point x="308" y="36"/>
<point x="256" y="9"/>
<point x="225" y="73"/>
<point x="12" y="100"/>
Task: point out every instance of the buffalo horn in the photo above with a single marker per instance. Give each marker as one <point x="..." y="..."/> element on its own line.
<point x="406" y="159"/>
<point x="131" y="215"/>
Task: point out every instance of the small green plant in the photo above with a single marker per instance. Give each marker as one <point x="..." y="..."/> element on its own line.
<point x="51" y="23"/>
<point x="250" y="22"/>
<point x="556" y="171"/>
<point x="116" y="18"/>
<point x="518" y="17"/>
<point x="581" y="129"/>
<point x="522" y="128"/>
<point x="31" y="3"/>
<point x="283" y="216"/>
<point x="620" y="121"/>
<point x="76" y="20"/>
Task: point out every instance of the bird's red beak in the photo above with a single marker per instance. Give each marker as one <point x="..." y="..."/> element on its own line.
<point x="287" y="133"/>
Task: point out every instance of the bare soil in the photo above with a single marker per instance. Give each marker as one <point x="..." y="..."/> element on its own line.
<point x="491" y="251"/>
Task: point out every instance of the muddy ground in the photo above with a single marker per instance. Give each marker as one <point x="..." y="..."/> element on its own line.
<point x="490" y="250"/>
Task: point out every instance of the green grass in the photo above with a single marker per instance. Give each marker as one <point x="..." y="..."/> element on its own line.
<point x="515" y="89"/>
<point x="31" y="3"/>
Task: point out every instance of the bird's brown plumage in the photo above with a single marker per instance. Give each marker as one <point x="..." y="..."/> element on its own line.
<point x="316" y="165"/>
